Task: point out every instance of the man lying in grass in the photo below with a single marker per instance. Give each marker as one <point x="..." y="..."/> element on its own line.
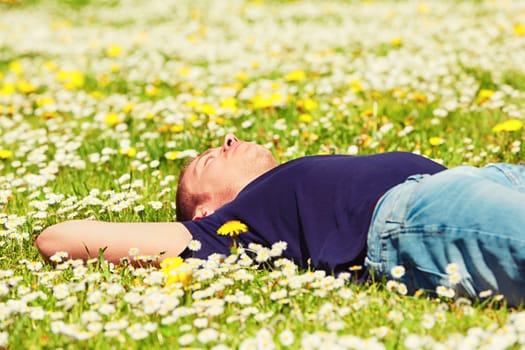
<point x="335" y="212"/>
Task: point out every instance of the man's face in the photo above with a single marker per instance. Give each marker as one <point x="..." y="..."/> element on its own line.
<point x="224" y="171"/>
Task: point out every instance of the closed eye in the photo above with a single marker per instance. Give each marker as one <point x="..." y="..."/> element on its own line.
<point x="208" y="160"/>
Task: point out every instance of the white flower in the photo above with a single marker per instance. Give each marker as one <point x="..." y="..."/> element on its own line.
<point x="194" y="245"/>
<point x="395" y="316"/>
<point x="402" y="288"/>
<point x="61" y="291"/>
<point x="428" y="321"/>
<point x="397" y="271"/>
<point x="454" y="278"/>
<point x="156" y="205"/>
<point x="4" y="337"/>
<point x="263" y="254"/>
<point x="485" y="293"/>
<point x="445" y="292"/>
<point x="452" y="268"/>
<point x="207" y="335"/>
<point x="133" y="251"/>
<point x="186" y="339"/>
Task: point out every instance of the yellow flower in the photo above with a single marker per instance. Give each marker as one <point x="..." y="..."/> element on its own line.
<point x="306" y="118"/>
<point x="71" y="79"/>
<point x="208" y="109"/>
<point x="112" y="119"/>
<point x="177" y="128"/>
<point x="152" y="90"/>
<point x="5" y="154"/>
<point x="229" y="103"/>
<point x="232" y="228"/>
<point x="484" y="95"/>
<point x="296" y="75"/>
<point x="171" y="155"/>
<point x="130" y="152"/>
<point x="114" y="50"/>
<point x="396" y="41"/>
<point x="184" y="71"/>
<point x="25" y="87"/>
<point x="128" y="108"/>
<point x="307" y="104"/>
<point x="175" y="270"/>
<point x="508" y="125"/>
<point x="519" y="29"/>
<point x="7" y="89"/>
<point x="436" y="141"/>
<point x="44" y="101"/>
<point x="15" y="67"/>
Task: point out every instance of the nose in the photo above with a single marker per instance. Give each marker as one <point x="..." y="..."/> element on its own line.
<point x="229" y="140"/>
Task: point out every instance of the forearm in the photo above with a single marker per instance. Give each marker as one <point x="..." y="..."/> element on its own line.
<point x="82" y="239"/>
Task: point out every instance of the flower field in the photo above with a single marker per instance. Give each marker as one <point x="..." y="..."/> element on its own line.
<point x="102" y="102"/>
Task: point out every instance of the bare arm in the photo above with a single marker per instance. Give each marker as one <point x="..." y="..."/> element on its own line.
<point x="151" y="238"/>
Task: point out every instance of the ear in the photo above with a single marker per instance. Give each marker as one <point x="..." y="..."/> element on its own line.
<point x="202" y="211"/>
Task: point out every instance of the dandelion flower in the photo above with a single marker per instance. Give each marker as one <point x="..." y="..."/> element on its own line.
<point x="508" y="125"/>
<point x="436" y="141"/>
<point x="175" y="270"/>
<point x="232" y="228"/>
<point x="5" y="154"/>
<point x="112" y="119"/>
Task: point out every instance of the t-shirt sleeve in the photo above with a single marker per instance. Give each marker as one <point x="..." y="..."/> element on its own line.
<point x="205" y="231"/>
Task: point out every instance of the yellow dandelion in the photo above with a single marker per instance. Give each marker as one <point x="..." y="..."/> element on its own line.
<point x="177" y="128"/>
<point x="152" y="90"/>
<point x="229" y="103"/>
<point x="232" y="228"/>
<point x="44" y="101"/>
<point x="308" y="104"/>
<point x="436" y="141"/>
<point x="130" y="152"/>
<point x="519" y="29"/>
<point x="112" y="119"/>
<point x="241" y="76"/>
<point x="306" y="118"/>
<point x="5" y="154"/>
<point x="25" y="87"/>
<point x="484" y="95"/>
<point x="171" y="155"/>
<point x="508" y="125"/>
<point x="128" y="108"/>
<point x="175" y="270"/>
<point x="16" y="67"/>
<point x="208" y="109"/>
<point x="114" y="50"/>
<point x="296" y="75"/>
<point x="184" y="71"/>
<point x="7" y="89"/>
<point x="396" y="41"/>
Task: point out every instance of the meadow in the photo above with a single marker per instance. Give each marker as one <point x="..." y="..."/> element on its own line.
<point x="102" y="102"/>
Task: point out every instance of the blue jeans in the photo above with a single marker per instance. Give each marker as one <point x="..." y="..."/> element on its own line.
<point x="472" y="217"/>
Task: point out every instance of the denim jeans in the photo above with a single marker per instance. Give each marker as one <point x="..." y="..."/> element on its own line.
<point x="472" y="217"/>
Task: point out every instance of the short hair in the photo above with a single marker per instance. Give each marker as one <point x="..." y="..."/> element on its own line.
<point x="186" y="202"/>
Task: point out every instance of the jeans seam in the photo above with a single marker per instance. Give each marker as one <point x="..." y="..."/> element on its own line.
<point x="509" y="175"/>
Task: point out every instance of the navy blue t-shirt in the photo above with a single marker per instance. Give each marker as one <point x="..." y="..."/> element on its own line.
<point x="320" y="205"/>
